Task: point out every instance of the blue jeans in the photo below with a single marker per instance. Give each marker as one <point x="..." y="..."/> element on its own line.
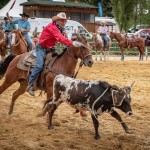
<point x="105" y="39"/>
<point x="29" y="41"/>
<point x="9" y="40"/>
<point x="40" y="57"/>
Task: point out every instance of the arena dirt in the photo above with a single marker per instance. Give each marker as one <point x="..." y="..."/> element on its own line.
<point x="23" y="131"/>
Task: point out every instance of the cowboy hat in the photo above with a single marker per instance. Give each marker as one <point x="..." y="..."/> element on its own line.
<point x="23" y="14"/>
<point x="102" y="22"/>
<point x="60" y="15"/>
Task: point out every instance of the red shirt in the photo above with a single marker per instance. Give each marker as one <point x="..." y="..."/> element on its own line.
<point x="51" y="35"/>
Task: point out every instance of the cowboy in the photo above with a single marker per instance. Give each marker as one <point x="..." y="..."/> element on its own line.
<point x="50" y="35"/>
<point x="11" y="26"/>
<point x="103" y="31"/>
<point x="24" y="27"/>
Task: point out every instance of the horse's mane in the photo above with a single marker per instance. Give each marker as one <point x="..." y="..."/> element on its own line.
<point x="63" y="51"/>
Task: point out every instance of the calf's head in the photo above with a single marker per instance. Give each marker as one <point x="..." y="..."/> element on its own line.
<point x="122" y="99"/>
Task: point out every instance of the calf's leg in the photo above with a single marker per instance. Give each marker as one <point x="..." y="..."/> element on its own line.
<point x="118" y="117"/>
<point x="51" y="112"/>
<point x="96" y="125"/>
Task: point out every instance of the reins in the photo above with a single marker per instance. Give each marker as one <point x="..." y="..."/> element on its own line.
<point x="21" y="39"/>
<point x="82" y="59"/>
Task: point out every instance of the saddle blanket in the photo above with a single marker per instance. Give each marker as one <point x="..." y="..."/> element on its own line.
<point x="28" y="60"/>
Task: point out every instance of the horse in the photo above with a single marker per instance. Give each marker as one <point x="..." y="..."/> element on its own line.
<point x="3" y="45"/>
<point x="64" y="64"/>
<point x="98" y="45"/>
<point x="125" y="42"/>
<point x="19" y="46"/>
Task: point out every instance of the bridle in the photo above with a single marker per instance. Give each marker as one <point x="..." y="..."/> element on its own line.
<point x="82" y="49"/>
<point x="19" y="41"/>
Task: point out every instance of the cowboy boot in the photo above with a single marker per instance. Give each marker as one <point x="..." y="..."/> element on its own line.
<point x="30" y="90"/>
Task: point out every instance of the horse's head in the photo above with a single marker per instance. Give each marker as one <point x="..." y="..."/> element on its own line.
<point x="96" y="38"/>
<point x="83" y="52"/>
<point x="112" y="35"/>
<point x="16" y="37"/>
<point x="3" y="39"/>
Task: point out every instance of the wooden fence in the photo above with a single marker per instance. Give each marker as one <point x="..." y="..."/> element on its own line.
<point x="115" y="51"/>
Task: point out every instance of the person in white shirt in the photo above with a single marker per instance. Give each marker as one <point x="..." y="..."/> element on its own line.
<point x="103" y="31"/>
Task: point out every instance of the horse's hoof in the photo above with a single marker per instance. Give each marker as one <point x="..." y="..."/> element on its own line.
<point x="40" y="115"/>
<point x="50" y="127"/>
<point x="10" y="112"/>
<point x="129" y="131"/>
<point x="97" y="137"/>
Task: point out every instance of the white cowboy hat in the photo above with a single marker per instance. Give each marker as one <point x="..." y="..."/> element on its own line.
<point x="60" y="15"/>
<point x="102" y="22"/>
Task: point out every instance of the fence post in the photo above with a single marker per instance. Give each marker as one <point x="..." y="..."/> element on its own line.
<point x="146" y="53"/>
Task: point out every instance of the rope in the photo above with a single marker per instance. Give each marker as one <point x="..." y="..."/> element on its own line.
<point x="92" y="110"/>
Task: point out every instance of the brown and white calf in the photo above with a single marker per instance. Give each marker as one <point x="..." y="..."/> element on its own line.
<point x="94" y="96"/>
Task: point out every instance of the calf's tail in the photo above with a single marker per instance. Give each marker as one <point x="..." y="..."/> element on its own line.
<point x="4" y="64"/>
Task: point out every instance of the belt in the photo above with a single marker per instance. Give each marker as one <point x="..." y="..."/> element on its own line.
<point x="7" y="31"/>
<point x="52" y="49"/>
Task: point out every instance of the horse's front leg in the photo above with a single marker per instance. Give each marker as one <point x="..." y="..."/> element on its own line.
<point x="118" y="117"/>
<point x="122" y="53"/>
<point x="96" y="125"/>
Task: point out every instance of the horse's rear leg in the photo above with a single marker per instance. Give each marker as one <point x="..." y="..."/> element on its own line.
<point x="104" y="52"/>
<point x="6" y="84"/>
<point x="17" y="93"/>
<point x="141" y="50"/>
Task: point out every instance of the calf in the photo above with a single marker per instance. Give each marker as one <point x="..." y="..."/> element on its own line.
<point x="94" y="96"/>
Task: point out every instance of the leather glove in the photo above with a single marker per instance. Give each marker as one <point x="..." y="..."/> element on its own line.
<point x="77" y="44"/>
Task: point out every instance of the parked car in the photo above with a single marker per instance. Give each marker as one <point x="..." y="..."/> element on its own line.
<point x="143" y="32"/>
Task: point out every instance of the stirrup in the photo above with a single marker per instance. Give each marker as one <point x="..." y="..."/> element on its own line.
<point x="30" y="90"/>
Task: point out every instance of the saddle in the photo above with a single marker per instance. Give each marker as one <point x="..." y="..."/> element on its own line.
<point x="131" y="40"/>
<point x="28" y="61"/>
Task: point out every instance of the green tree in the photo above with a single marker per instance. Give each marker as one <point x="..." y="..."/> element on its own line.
<point x="3" y="3"/>
<point x="123" y="11"/>
<point x="130" y="13"/>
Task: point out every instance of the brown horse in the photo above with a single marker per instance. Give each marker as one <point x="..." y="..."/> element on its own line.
<point x="98" y="45"/>
<point x="3" y="45"/>
<point x="125" y="42"/>
<point x="19" y="46"/>
<point x="65" y="63"/>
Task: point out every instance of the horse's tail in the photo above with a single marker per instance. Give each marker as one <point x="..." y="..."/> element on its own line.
<point x="4" y="64"/>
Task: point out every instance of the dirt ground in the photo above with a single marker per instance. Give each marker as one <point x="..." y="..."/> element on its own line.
<point x="23" y="131"/>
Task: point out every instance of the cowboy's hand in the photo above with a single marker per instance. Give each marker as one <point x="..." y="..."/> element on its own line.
<point x="20" y="29"/>
<point x="77" y="44"/>
<point x="7" y="14"/>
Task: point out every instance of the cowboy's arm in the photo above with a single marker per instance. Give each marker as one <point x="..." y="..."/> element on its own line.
<point x="10" y="19"/>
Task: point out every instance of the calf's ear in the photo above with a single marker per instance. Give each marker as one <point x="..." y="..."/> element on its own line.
<point x="118" y="97"/>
